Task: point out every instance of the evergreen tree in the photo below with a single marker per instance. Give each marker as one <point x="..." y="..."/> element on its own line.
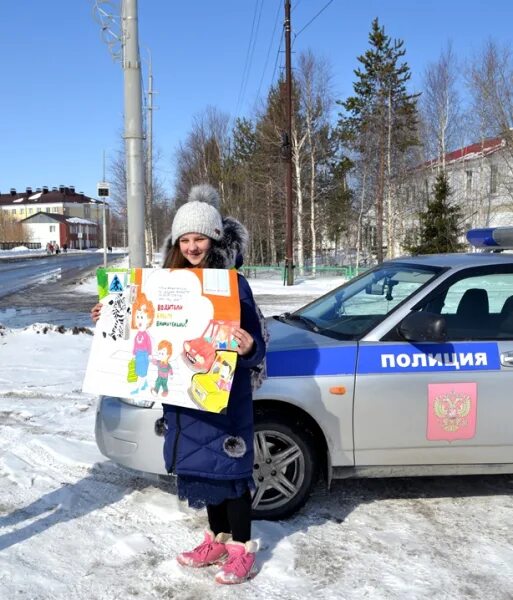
<point x="380" y="120"/>
<point x="439" y="224"/>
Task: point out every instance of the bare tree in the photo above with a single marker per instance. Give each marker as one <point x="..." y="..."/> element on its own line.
<point x="12" y="230"/>
<point x="490" y="82"/>
<point x="316" y="103"/>
<point x="440" y="106"/>
<point x="200" y="158"/>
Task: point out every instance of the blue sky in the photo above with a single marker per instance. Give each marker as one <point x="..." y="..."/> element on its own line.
<point x="61" y="104"/>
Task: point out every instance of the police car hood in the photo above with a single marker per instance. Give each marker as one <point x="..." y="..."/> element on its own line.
<point x="293" y="335"/>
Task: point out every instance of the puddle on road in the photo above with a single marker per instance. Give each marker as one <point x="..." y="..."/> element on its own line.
<point x="14" y="318"/>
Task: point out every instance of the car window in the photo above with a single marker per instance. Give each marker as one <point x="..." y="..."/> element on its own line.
<point x="354" y="308"/>
<point x="478" y="307"/>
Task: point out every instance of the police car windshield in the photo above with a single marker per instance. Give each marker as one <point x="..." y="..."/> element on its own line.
<point x="353" y="309"/>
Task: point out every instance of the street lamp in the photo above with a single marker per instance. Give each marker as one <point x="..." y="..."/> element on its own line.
<point x="104" y="193"/>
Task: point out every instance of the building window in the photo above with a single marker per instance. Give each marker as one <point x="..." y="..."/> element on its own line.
<point x="468" y="185"/>
<point x="494" y="176"/>
<point x="30" y="211"/>
<point x="87" y="211"/>
<point x="52" y="228"/>
<point x="55" y="209"/>
<point x="13" y="211"/>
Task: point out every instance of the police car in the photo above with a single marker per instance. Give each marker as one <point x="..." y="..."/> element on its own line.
<point x="405" y="370"/>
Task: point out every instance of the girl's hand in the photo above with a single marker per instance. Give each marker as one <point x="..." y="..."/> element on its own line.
<point x="244" y="341"/>
<point x="95" y="312"/>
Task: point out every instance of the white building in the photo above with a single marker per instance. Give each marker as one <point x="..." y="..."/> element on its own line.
<point x="63" y="203"/>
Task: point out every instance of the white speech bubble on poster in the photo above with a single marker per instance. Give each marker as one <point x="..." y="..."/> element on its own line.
<point x="179" y="305"/>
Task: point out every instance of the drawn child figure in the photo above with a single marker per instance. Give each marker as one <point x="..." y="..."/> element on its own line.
<point x="143" y="314"/>
<point x="165" y="370"/>
<point x="222" y="337"/>
<point x="225" y="377"/>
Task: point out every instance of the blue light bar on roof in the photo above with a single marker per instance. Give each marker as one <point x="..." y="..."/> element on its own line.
<point x="500" y="238"/>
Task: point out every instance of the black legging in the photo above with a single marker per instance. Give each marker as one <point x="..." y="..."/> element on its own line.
<point x="232" y="516"/>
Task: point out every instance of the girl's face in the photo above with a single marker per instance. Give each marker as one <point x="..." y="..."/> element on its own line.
<point x="194" y="247"/>
<point x="141" y="319"/>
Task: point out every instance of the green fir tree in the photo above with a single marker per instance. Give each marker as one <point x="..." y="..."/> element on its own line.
<point x="379" y="122"/>
<point x="439" y="224"/>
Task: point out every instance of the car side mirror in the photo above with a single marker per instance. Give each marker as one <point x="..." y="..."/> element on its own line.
<point x="423" y="327"/>
<point x="375" y="289"/>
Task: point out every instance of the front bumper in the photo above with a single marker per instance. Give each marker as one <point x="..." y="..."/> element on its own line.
<point x="125" y="434"/>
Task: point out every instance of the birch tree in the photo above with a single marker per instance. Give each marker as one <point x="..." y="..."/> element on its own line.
<point x="316" y="102"/>
<point x="490" y="82"/>
<point x="440" y="106"/>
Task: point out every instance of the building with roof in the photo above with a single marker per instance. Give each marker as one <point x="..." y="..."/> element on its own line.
<point x="74" y="218"/>
<point x="480" y="177"/>
<point x="72" y="232"/>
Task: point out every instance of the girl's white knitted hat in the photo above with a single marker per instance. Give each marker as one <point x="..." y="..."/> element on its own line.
<point x="199" y="214"/>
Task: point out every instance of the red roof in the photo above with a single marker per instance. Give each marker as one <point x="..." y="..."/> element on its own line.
<point x="476" y="150"/>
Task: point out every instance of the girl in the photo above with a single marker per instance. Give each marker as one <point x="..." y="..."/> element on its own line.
<point x="212" y="454"/>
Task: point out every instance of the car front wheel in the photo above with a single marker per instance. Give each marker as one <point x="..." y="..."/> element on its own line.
<point x="285" y="466"/>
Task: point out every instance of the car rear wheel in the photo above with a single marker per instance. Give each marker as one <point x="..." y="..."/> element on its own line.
<point x="285" y="468"/>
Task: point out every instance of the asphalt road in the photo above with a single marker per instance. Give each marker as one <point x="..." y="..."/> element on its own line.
<point x="47" y="289"/>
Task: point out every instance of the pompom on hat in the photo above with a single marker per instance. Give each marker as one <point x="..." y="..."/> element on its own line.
<point x="200" y="214"/>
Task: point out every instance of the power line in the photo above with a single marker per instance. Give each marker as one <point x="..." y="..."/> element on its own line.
<point x="248" y="53"/>
<point x="313" y="19"/>
<point x="269" y="49"/>
<point x="252" y="50"/>
<point x="277" y="57"/>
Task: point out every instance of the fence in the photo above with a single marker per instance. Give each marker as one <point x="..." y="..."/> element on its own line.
<point x="278" y="272"/>
<point x="11" y="245"/>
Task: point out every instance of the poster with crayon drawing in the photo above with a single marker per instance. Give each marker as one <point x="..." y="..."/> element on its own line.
<point x="166" y="335"/>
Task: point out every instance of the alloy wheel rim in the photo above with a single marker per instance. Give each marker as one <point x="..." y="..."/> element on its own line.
<point x="279" y="469"/>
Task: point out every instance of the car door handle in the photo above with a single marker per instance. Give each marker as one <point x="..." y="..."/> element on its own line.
<point x="507" y="359"/>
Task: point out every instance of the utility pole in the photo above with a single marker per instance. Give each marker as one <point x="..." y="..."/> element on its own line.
<point x="149" y="169"/>
<point x="289" y="249"/>
<point x="133" y="135"/>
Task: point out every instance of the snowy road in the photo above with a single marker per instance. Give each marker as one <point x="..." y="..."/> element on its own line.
<point x="75" y="526"/>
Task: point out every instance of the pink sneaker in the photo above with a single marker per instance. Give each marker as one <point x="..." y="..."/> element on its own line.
<point x="240" y="564"/>
<point x="212" y="551"/>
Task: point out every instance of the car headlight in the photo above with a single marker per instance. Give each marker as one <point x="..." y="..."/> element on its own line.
<point x="138" y="402"/>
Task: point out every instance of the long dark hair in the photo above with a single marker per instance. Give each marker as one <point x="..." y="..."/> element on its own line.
<point x="176" y="260"/>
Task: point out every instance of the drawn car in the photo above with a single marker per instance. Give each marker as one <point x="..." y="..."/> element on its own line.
<point x="199" y="353"/>
<point x="405" y="370"/>
<point x="207" y="390"/>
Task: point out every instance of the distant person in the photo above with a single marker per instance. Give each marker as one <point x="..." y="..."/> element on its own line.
<point x="57" y="249"/>
<point x="65" y="248"/>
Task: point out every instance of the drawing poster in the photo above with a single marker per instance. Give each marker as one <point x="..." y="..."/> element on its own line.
<point x="166" y="335"/>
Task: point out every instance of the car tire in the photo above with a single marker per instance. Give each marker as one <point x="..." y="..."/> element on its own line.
<point x="282" y="489"/>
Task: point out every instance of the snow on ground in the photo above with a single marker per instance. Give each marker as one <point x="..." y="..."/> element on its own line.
<point x="73" y="525"/>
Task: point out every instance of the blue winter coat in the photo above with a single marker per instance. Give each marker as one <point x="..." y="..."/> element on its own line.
<point x="215" y="446"/>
